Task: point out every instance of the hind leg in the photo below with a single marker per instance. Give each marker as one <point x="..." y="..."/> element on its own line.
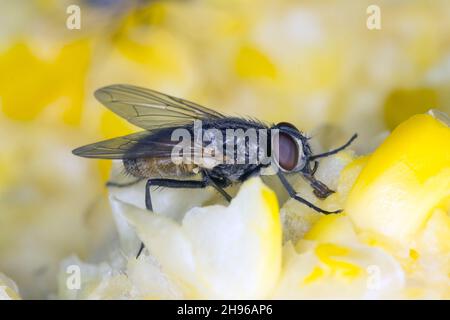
<point x="123" y="185"/>
<point x="171" y="183"/>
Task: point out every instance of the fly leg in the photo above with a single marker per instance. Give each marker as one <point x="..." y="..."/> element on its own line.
<point x="123" y="185"/>
<point x="221" y="191"/>
<point x="187" y="184"/>
<point x="294" y="195"/>
<point x="314" y="168"/>
<point x="173" y="183"/>
<point x="320" y="189"/>
<point x="216" y="186"/>
<point x="169" y="183"/>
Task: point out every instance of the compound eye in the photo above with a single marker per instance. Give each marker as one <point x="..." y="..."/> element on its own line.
<point x="286" y="151"/>
<point x="287" y="124"/>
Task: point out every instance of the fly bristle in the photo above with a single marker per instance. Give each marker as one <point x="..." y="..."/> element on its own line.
<point x="125" y="172"/>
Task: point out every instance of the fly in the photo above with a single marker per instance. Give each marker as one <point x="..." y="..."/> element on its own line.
<point x="149" y="154"/>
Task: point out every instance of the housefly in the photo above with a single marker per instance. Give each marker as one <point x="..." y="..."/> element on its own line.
<point x="149" y="154"/>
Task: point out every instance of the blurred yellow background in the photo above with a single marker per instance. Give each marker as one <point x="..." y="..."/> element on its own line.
<point x="313" y="63"/>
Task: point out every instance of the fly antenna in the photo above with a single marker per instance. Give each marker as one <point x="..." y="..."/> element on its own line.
<point x="334" y="151"/>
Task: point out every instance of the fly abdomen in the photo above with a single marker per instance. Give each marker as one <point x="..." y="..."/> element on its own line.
<point x="157" y="167"/>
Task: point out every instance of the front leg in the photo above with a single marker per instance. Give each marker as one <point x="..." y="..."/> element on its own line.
<point x="294" y="195"/>
<point x="320" y="189"/>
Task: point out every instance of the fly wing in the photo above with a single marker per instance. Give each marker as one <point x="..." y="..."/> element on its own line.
<point x="150" y="109"/>
<point x="146" y="144"/>
<point x="117" y="148"/>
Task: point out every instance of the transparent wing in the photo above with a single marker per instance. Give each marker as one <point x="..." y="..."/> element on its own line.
<point x="150" y="109"/>
<point x="140" y="145"/>
<point x="117" y="148"/>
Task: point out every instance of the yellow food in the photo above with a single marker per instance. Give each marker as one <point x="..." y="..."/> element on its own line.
<point x="404" y="180"/>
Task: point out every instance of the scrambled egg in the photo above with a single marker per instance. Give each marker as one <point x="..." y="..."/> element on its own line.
<point x="8" y="289"/>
